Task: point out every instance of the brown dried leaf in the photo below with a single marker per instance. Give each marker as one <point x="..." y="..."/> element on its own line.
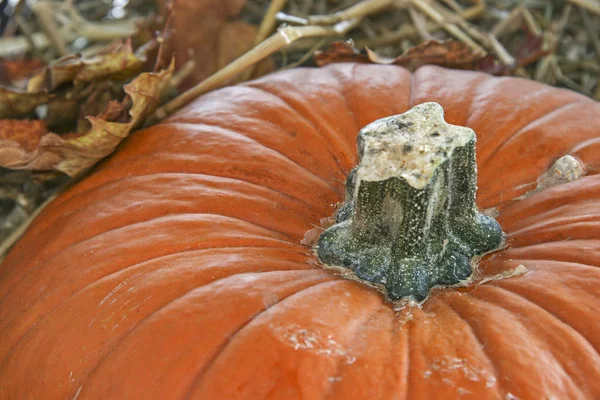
<point x="117" y="61"/>
<point x="16" y="73"/>
<point x="451" y="54"/>
<point x="28" y="145"/>
<point x="16" y="104"/>
<point x="210" y="33"/>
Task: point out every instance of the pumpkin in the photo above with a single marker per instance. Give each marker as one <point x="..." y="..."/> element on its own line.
<point x="176" y="269"/>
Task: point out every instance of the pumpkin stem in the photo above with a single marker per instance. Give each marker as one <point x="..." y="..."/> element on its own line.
<point x="410" y="221"/>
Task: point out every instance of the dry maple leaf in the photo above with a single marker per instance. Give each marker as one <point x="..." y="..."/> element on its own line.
<point x="28" y="144"/>
<point x="451" y="54"/>
<point x="116" y="61"/>
<point x="16" y="73"/>
<point x="17" y="104"/>
<point x="209" y="33"/>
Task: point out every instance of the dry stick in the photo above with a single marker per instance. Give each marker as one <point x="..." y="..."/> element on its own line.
<point x="450" y="28"/>
<point x="274" y="43"/>
<point x="266" y="27"/>
<point x="45" y="15"/>
<point x="590" y="5"/>
<point x="306" y="56"/>
<point x="544" y="70"/>
<point x="408" y="31"/>
<point x="531" y="23"/>
<point x="591" y="30"/>
<point x="420" y="24"/>
<point x="509" y="24"/>
<point x="102" y="31"/>
<point x="358" y="10"/>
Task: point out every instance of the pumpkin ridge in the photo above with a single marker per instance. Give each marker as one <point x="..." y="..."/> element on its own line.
<point x="104" y="185"/>
<point x="336" y="73"/>
<point x="323" y="132"/>
<point x="31" y="271"/>
<point x="143" y="186"/>
<point x="198" y="375"/>
<point x="47" y="314"/>
<point x="534" y="334"/>
<point x="493" y="368"/>
<point x="544" y="118"/>
<point x="140" y="323"/>
<point x="584" y="339"/>
<point x="242" y="135"/>
<point x="556" y="233"/>
<point x="338" y="367"/>
<point x="496" y="83"/>
<point x="127" y="268"/>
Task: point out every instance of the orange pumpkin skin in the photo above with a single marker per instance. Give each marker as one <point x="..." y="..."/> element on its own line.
<point x="176" y="269"/>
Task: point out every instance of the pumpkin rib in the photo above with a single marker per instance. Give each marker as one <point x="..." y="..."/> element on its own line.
<point x="106" y="184"/>
<point x="508" y="127"/>
<point x="550" y="313"/>
<point x="178" y="298"/>
<point x="545" y="118"/>
<point x="348" y="373"/>
<point x="298" y="211"/>
<point x="98" y="281"/>
<point x="407" y="363"/>
<point x="339" y="143"/>
<point x="198" y="375"/>
<point x="480" y="84"/>
<point x="344" y="95"/>
<point x="571" y="231"/>
<point x="275" y="320"/>
<point x="554" y="256"/>
<point x="554" y="223"/>
<point x="338" y="367"/>
<point x="500" y="376"/>
<point x="31" y="271"/>
<point x="495" y="373"/>
<point x="558" y="361"/>
<point x="127" y="268"/>
<point x="252" y="140"/>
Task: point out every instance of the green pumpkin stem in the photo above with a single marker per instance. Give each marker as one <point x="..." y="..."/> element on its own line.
<point x="410" y="222"/>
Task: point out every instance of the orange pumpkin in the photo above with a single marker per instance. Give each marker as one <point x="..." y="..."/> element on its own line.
<point x="176" y="269"/>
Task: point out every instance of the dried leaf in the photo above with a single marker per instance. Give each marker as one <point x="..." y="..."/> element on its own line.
<point x="117" y="61"/>
<point x="28" y="145"/>
<point x="16" y="73"/>
<point x="451" y="54"/>
<point x="16" y="104"/>
<point x="210" y="33"/>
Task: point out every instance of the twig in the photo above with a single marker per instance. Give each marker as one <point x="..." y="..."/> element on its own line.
<point x="93" y="31"/>
<point x="44" y="13"/>
<point x="590" y="5"/>
<point x="591" y="31"/>
<point x="306" y="56"/>
<point x="275" y="42"/>
<point x="503" y="54"/>
<point x="419" y="23"/>
<point x="452" y="29"/>
<point x="266" y="27"/>
<point x="358" y="10"/>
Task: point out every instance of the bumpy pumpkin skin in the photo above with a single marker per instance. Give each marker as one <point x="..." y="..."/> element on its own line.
<point x="176" y="270"/>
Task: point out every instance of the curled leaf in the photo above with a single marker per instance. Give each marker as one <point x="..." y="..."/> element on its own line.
<point x="451" y="54"/>
<point x="117" y="61"/>
<point x="17" y="104"/>
<point x="16" y="73"/>
<point x="28" y="144"/>
<point x="209" y="33"/>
